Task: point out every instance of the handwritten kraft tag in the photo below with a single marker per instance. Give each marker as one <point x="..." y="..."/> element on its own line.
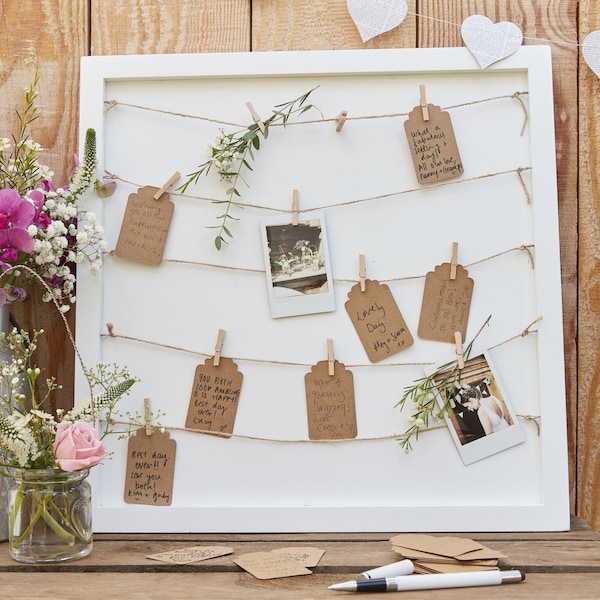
<point x="446" y="304"/>
<point x="378" y="320"/>
<point x="150" y="469"/>
<point x="214" y="397"/>
<point x="432" y="145"/>
<point x="145" y="226"/>
<point x="330" y="402"/>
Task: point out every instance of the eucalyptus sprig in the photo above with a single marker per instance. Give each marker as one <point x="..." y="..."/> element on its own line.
<point x="423" y="395"/>
<point x="231" y="152"/>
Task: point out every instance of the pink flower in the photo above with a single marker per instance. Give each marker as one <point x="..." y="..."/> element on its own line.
<point x="76" y="446"/>
<point x="40" y="219"/>
<point x="16" y="215"/>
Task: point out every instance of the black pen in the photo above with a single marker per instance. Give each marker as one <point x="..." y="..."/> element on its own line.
<point x="430" y="582"/>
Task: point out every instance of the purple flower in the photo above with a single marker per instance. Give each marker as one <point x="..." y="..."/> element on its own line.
<point x="16" y="214"/>
<point x="41" y="219"/>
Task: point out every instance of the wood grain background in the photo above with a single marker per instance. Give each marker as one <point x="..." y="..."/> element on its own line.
<point x="50" y="36"/>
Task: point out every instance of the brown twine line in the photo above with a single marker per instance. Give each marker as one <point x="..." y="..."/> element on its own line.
<point x="523" y="247"/>
<point x="531" y="418"/>
<point x="519" y="171"/>
<point x="111" y="333"/>
<point x="110" y="104"/>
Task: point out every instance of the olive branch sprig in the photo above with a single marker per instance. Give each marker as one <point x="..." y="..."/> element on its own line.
<point x="230" y="155"/>
<point x="423" y="394"/>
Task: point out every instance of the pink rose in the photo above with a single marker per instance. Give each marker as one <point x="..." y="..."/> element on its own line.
<point x="76" y="446"/>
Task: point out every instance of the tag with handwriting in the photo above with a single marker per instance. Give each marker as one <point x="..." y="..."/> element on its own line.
<point x="269" y="565"/>
<point x="306" y="556"/>
<point x="330" y="402"/>
<point x="185" y="556"/>
<point x="150" y="468"/>
<point x="145" y="227"/>
<point x="378" y="320"/>
<point x="433" y="145"/>
<point x="214" y="398"/>
<point x="446" y="304"/>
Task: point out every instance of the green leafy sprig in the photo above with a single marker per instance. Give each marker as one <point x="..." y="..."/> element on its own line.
<point x="230" y="155"/>
<point x="424" y="393"/>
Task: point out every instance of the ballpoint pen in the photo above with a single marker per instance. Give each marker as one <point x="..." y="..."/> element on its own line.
<point x="402" y="567"/>
<point x="430" y="582"/>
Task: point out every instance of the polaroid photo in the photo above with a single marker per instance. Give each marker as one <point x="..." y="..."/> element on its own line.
<point x="298" y="268"/>
<point x="480" y="418"/>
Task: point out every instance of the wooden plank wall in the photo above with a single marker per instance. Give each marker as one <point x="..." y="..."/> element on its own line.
<point x="51" y="35"/>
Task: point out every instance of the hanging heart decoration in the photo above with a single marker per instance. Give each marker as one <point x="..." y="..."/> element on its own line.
<point x="374" y="17"/>
<point x="490" y="42"/>
<point x="591" y="51"/>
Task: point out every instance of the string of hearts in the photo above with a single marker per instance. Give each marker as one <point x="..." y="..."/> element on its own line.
<point x="489" y="42"/>
<point x="535" y="419"/>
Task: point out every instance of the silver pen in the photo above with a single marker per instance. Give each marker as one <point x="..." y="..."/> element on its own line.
<point x="429" y="582"/>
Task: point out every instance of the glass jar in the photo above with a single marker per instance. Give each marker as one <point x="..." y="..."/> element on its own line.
<point x="49" y="514"/>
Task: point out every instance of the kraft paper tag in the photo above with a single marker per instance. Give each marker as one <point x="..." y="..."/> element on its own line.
<point x="330" y="402"/>
<point x="433" y="145"/>
<point x="269" y="565"/>
<point x="215" y="396"/>
<point x="150" y="468"/>
<point x="185" y="556"/>
<point x="307" y="557"/>
<point x="378" y="320"/>
<point x="446" y="304"/>
<point x="145" y="227"/>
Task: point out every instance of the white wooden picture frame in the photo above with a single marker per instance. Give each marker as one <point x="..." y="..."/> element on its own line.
<point x="502" y="211"/>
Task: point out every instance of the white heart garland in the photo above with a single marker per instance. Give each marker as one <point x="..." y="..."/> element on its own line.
<point x="374" y="17"/>
<point x="591" y="51"/>
<point x="490" y="42"/>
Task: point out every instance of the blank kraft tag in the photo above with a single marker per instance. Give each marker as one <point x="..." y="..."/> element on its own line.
<point x="330" y="402"/>
<point x="378" y="320"/>
<point x="446" y="304"/>
<point x="432" y="145"/>
<point x="145" y="227"/>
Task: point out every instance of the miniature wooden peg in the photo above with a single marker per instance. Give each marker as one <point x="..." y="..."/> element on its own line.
<point x="256" y="118"/>
<point x="424" y="103"/>
<point x="340" y="120"/>
<point x="147" y="416"/>
<point x="218" y="347"/>
<point x="454" y="260"/>
<point x="362" y="272"/>
<point x="167" y="185"/>
<point x="295" y="208"/>
<point x="459" y="350"/>
<point x="330" y="358"/>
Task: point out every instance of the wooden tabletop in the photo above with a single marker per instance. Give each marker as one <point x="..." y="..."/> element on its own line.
<point x="557" y="565"/>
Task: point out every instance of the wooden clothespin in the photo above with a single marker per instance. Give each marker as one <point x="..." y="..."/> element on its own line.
<point x="294" y="207"/>
<point x="459" y="350"/>
<point x="256" y="118"/>
<point x="147" y="417"/>
<point x="424" y="108"/>
<point x="330" y="358"/>
<point x="110" y="329"/>
<point x="218" y="347"/>
<point x="167" y="185"/>
<point x="362" y="272"/>
<point x="340" y="120"/>
<point x="454" y="261"/>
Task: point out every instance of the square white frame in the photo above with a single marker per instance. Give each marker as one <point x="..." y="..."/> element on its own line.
<point x="445" y="70"/>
